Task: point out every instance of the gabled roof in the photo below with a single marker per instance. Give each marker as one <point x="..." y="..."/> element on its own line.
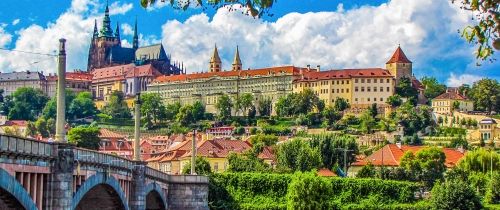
<point x="122" y="72"/>
<point x="451" y="96"/>
<point x="391" y="154"/>
<point x="107" y="134"/>
<point x="399" y="57"/>
<point x="22" y="76"/>
<point x="220" y="148"/>
<point x="150" y="52"/>
<point x="20" y="123"/>
<point x="267" y="153"/>
<point x="325" y="172"/>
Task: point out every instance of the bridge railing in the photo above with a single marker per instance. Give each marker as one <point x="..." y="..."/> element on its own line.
<point x="103" y="159"/>
<point x="23" y="146"/>
<point x="156" y="174"/>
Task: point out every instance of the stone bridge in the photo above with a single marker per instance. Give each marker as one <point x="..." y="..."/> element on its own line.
<point x="39" y="175"/>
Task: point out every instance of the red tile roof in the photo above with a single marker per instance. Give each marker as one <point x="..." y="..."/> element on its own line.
<point x="345" y="74"/>
<point x="241" y="73"/>
<point x="220" y="148"/>
<point x="20" y="123"/>
<point x="107" y="134"/>
<point x="325" y="172"/>
<point x="392" y="155"/>
<point x="267" y="154"/>
<point x="399" y="57"/>
<point x="122" y="72"/>
<point x="452" y="96"/>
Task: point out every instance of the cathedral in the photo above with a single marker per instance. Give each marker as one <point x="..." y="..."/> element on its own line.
<point x="106" y="51"/>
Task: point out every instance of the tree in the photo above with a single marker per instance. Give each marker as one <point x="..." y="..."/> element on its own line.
<point x="341" y="104"/>
<point x="82" y="106"/>
<point x="198" y="111"/>
<point x="405" y="88"/>
<point x="30" y="129"/>
<point x="152" y="108"/>
<point x="42" y="128"/>
<point x="367" y="171"/>
<point x="117" y="107"/>
<point x="463" y="122"/>
<point x="172" y="110"/>
<point x="247" y="162"/>
<point x="446" y="119"/>
<point x="85" y="137"/>
<point x="265" y="140"/>
<point x="264" y="107"/>
<point x="254" y="8"/>
<point x="486" y="95"/>
<point x="308" y="191"/>
<point x="202" y="167"/>
<point x="331" y="147"/>
<point x="485" y="33"/>
<point x="224" y="105"/>
<point x="331" y="115"/>
<point x="185" y="115"/>
<point x="244" y="102"/>
<point x="454" y="194"/>
<point x="440" y="120"/>
<point x="6" y="104"/>
<point x="493" y="192"/>
<point x="427" y="165"/>
<point x="27" y="103"/>
<point x="394" y="100"/>
<point x="480" y="160"/>
<point x="432" y="87"/>
<point x="50" y="108"/>
<point x="297" y="155"/>
<point x="51" y="126"/>
<point x="368" y="123"/>
<point x="373" y="110"/>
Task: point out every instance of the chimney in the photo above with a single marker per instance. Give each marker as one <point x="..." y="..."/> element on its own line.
<point x="308" y="67"/>
<point x="398" y="144"/>
<point x="319" y="68"/>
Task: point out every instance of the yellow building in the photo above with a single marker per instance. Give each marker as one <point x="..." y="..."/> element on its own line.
<point x="128" y="79"/>
<point x="443" y="104"/>
<point x="488" y="130"/>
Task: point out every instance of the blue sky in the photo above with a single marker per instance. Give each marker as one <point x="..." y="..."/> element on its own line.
<point x="334" y="34"/>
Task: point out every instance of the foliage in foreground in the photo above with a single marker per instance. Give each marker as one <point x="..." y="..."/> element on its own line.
<point x="454" y="194"/>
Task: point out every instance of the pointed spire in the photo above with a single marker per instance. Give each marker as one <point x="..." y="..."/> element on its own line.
<point x="135" y="43"/>
<point x="117" y="33"/>
<point x="237" y="61"/>
<point x="106" y="30"/>
<point x="398" y="57"/>
<point x="96" y="33"/>
<point x="215" y="57"/>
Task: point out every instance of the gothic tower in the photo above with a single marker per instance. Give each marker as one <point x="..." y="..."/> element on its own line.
<point x="399" y="65"/>
<point x="215" y="62"/>
<point x="237" y="61"/>
<point x="135" y="43"/>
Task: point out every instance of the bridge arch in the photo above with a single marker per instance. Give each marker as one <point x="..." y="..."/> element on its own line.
<point x="155" y="197"/>
<point x="100" y="184"/>
<point x="13" y="193"/>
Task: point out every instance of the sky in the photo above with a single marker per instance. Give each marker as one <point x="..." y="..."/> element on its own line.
<point x="333" y="34"/>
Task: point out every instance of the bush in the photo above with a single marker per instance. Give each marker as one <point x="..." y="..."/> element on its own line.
<point x="308" y="191"/>
<point x="454" y="194"/>
<point x="493" y="192"/>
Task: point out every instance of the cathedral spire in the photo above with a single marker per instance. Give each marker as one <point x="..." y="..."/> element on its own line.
<point x="106" y="30"/>
<point x="215" y="62"/>
<point x="135" y="43"/>
<point x="117" y="33"/>
<point x="96" y="33"/>
<point x="237" y="61"/>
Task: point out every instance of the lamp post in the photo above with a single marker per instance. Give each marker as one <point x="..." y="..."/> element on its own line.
<point x="137" y="123"/>
<point x="61" y="85"/>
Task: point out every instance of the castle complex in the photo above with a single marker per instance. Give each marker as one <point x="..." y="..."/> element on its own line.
<point x="360" y="87"/>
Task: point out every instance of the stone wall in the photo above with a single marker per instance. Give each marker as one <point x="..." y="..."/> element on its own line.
<point x="188" y="192"/>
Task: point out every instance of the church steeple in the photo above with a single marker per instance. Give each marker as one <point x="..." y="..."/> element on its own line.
<point x="135" y="43"/>
<point x="117" y="33"/>
<point x="215" y="62"/>
<point x="237" y="61"/>
<point x="96" y="33"/>
<point x="106" y="30"/>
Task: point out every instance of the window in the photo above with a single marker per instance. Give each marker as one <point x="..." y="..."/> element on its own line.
<point x="342" y="81"/>
<point x="368" y="99"/>
<point x="338" y="91"/>
<point x="338" y="82"/>
<point x="333" y="90"/>
<point x="388" y="89"/>
<point x="387" y="80"/>
<point x="374" y="99"/>
<point x="368" y="81"/>
<point x="381" y="99"/>
<point x="381" y="80"/>
<point x="347" y="90"/>
<point x="356" y="81"/>
<point x="374" y="80"/>
<point x="368" y="89"/>
<point x="381" y="89"/>
<point x="362" y="89"/>
<point x="362" y="80"/>
<point x="216" y="166"/>
<point x="356" y="99"/>
<point x="347" y="81"/>
<point x="342" y="90"/>
<point x="355" y="89"/>
<point x="375" y="89"/>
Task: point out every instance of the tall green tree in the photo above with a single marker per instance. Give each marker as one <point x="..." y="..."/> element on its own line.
<point x="172" y="110"/>
<point x="331" y="115"/>
<point x="42" y="128"/>
<point x="454" y="194"/>
<point x="152" y="108"/>
<point x="368" y="123"/>
<point x="264" y="107"/>
<point x="480" y="160"/>
<point x="185" y="115"/>
<point x="308" y="191"/>
<point x="85" y="137"/>
<point x="298" y="155"/>
<point x="427" y="165"/>
<point x="117" y="107"/>
<point x="224" y="106"/>
<point x="201" y="165"/>
<point x="50" y="108"/>
<point x="432" y="87"/>
<point x="82" y="106"/>
<point x="486" y="95"/>
<point x="341" y="104"/>
<point x="332" y="147"/>
<point x="244" y="102"/>
<point x="27" y="103"/>
<point x="394" y="100"/>
<point x="198" y="111"/>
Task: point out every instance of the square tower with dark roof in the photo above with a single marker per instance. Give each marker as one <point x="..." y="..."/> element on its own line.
<point x="399" y="65"/>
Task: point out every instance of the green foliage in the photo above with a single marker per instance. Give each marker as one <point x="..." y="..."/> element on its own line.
<point x="50" y="108"/>
<point x="85" y="137"/>
<point x="368" y="122"/>
<point x="298" y="155"/>
<point x="81" y="106"/>
<point x="486" y="95"/>
<point x="202" y="167"/>
<point x="405" y="88"/>
<point x="454" y="194"/>
<point x="394" y="100"/>
<point x="341" y="104"/>
<point x="116" y="106"/>
<point x="480" y="160"/>
<point x="331" y="147"/>
<point x="30" y="129"/>
<point x="27" y="104"/>
<point x="185" y="115"/>
<point x="172" y="110"/>
<point x="247" y="162"/>
<point x="264" y="107"/>
<point x="493" y="192"/>
<point x="224" y="106"/>
<point x="331" y="115"/>
<point x="294" y="104"/>
<point x="414" y="119"/>
<point x="427" y="165"/>
<point x="308" y="191"/>
<point x="266" y="140"/>
<point x="243" y="102"/>
<point x="276" y="130"/>
<point x="432" y="87"/>
<point x="152" y="108"/>
<point x="368" y="171"/>
<point x="41" y="127"/>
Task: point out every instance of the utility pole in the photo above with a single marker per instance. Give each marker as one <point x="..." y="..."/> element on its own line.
<point x="137" y="130"/>
<point x="61" y="86"/>
<point x="345" y="150"/>
<point x="193" y="153"/>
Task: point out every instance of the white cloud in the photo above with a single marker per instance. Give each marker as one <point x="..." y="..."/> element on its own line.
<point x="127" y="29"/>
<point x="157" y="5"/>
<point x="16" y="21"/>
<point x="5" y="38"/>
<point x="75" y="25"/>
<point x="117" y="8"/>
<point x="458" y="80"/>
<point x="360" y="37"/>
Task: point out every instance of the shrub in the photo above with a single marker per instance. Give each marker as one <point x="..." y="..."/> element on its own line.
<point x="308" y="191"/>
<point x="493" y="192"/>
<point x="454" y="194"/>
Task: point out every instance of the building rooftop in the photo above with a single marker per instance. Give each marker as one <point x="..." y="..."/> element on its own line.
<point x="451" y="96"/>
<point x="398" y="57"/>
<point x="21" y="76"/>
<point x="344" y="74"/>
